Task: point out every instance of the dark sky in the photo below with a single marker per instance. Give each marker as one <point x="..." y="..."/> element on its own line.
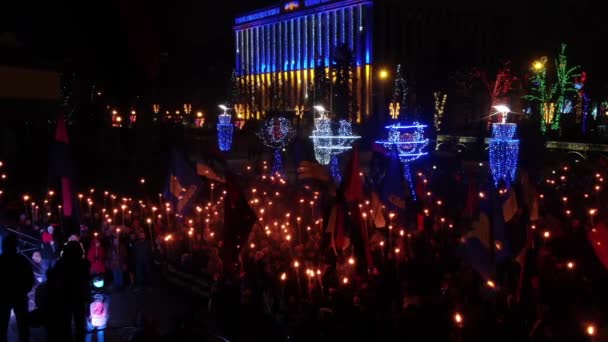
<point x="118" y="41"/>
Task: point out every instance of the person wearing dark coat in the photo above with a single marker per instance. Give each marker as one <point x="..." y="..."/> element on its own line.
<point x="67" y="293"/>
<point x="17" y="281"/>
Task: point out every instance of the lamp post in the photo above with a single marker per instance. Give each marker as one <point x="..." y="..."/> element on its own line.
<point x="383" y="76"/>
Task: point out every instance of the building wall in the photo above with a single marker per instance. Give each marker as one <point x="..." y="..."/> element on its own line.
<point x="18" y="83"/>
<point x="287" y="44"/>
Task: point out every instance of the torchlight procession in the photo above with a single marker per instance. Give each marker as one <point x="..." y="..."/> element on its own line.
<point x="310" y="170"/>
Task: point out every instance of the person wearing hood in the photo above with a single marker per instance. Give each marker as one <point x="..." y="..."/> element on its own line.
<point x="18" y="279"/>
<point x="49" y="251"/>
<point x="67" y="288"/>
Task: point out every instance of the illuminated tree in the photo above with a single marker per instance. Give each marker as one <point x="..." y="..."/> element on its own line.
<point x="502" y="86"/>
<point x="398" y="105"/>
<point x="552" y="97"/>
<point x="565" y="83"/>
<point x="440" y="98"/>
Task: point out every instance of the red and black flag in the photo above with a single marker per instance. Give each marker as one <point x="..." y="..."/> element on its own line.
<point x="62" y="173"/>
<point x="353" y="194"/>
<point x="238" y="220"/>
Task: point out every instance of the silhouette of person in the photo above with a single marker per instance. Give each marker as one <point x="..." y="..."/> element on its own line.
<point x="67" y="288"/>
<point x="18" y="279"/>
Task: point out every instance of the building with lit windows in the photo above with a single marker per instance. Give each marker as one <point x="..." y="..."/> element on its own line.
<point x="288" y="41"/>
<point x="291" y="39"/>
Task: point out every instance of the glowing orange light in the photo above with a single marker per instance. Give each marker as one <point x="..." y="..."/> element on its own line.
<point x="590" y="330"/>
<point x="458" y="318"/>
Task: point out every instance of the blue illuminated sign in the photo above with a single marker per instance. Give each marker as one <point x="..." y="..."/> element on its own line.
<point x="257" y="15"/>
<point x="309" y="3"/>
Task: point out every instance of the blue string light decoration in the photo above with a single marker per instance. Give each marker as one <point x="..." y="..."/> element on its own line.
<point x="504" y="151"/>
<point x="409" y="143"/>
<point x="277" y="164"/>
<point x="225" y="130"/>
<point x="334" y="169"/>
<point x="329" y="142"/>
<point x="276" y="133"/>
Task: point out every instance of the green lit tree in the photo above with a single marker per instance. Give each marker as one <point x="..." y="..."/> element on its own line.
<point x="565" y="83"/>
<point x="552" y="96"/>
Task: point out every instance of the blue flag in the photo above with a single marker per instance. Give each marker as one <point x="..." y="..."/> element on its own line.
<point x="488" y="233"/>
<point x="392" y="193"/>
<point x="183" y="185"/>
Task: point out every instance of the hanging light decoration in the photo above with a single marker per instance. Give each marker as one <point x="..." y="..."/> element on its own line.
<point x="408" y="142"/>
<point x="225" y="129"/>
<point x="504" y="149"/>
<point x="276" y="133"/>
<point x="329" y="140"/>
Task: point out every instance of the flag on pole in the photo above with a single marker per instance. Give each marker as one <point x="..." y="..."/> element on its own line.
<point x="510" y="207"/>
<point x="487" y="237"/>
<point x="204" y="170"/>
<point x="379" y="220"/>
<point x="352" y="188"/>
<point x="183" y="185"/>
<point x="353" y="179"/>
<point x="62" y="171"/>
<point x="335" y="226"/>
<point x="238" y="220"/>
<point x="392" y="193"/>
<point x="598" y="238"/>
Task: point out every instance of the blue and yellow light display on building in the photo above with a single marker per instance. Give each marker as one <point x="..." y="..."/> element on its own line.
<point x="287" y="42"/>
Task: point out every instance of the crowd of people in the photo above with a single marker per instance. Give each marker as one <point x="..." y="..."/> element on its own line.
<point x="297" y="274"/>
<point x="60" y="269"/>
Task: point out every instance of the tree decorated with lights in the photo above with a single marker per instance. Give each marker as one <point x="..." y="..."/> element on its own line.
<point x="565" y="83"/>
<point x="235" y="89"/>
<point x="409" y="144"/>
<point x="552" y="97"/>
<point x="501" y="87"/>
<point x="582" y="101"/>
<point x="439" y="109"/>
<point x="398" y="103"/>
<point x="276" y="133"/>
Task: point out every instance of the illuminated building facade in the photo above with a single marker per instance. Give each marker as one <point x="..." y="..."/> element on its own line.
<point x="285" y="43"/>
<point x="429" y="38"/>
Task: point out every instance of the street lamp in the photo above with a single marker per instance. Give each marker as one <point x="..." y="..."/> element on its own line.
<point x="320" y="109"/>
<point x="224" y="108"/>
<point x="503" y="111"/>
<point x="383" y="74"/>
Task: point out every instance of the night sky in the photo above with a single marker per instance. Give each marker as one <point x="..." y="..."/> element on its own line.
<point x="121" y="44"/>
